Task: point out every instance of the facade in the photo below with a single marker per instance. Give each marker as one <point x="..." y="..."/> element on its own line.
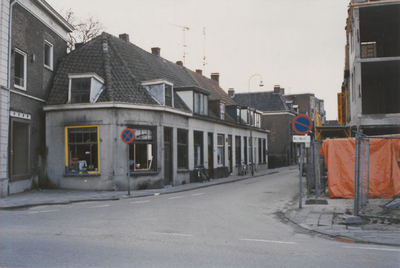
<point x="34" y="40"/>
<point x="276" y="115"/>
<point x="308" y="104"/>
<point x="179" y="118"/>
<point x="370" y="92"/>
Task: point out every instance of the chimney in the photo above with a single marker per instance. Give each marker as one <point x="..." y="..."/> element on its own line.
<point x="278" y="89"/>
<point x="215" y="77"/>
<point x="199" y="71"/>
<point x="180" y="63"/>
<point x="79" y="45"/>
<point x="124" y="37"/>
<point x="155" y="51"/>
<point x="231" y="92"/>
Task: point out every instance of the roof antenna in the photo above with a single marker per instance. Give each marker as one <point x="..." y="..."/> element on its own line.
<point x="204" y="52"/>
<point x="184" y="28"/>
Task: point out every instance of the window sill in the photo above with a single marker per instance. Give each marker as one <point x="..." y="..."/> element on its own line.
<point x="183" y="170"/>
<point x="141" y="173"/>
<point x="82" y="175"/>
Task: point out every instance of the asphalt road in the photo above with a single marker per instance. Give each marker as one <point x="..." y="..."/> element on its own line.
<point x="238" y="224"/>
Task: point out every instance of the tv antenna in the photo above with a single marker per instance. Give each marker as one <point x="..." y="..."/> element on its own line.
<point x="204" y="51"/>
<point x="184" y="28"/>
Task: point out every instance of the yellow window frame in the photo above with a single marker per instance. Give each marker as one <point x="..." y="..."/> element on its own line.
<point x="98" y="147"/>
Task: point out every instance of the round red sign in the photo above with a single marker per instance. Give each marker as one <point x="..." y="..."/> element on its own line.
<point x="127" y="135"/>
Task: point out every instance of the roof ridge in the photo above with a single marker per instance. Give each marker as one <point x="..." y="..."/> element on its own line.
<point x="107" y="67"/>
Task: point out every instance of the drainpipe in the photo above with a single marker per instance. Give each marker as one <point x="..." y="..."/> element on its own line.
<point x="8" y="88"/>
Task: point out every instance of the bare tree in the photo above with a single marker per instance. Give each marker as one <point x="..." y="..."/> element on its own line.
<point x="84" y="29"/>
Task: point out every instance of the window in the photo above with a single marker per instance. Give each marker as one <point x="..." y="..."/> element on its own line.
<point x="85" y="88"/>
<point x="142" y="150"/>
<point x="245" y="149"/>
<point x="182" y="148"/>
<point x="222" y="111"/>
<point x="48" y="55"/>
<point x="221" y="150"/>
<point x="161" y="91"/>
<point x="198" y="148"/>
<point x="238" y="150"/>
<point x="205" y="104"/>
<point x="20" y="66"/>
<point x="200" y="103"/>
<point x="260" y="156"/>
<point x="82" y="149"/>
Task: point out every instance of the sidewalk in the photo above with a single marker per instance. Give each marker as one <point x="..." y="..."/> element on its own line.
<point x="64" y="196"/>
<point x="323" y="219"/>
<point x="317" y="218"/>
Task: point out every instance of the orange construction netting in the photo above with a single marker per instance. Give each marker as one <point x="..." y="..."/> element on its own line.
<point x="384" y="172"/>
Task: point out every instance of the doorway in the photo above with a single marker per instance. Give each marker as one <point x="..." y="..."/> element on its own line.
<point x="167" y="156"/>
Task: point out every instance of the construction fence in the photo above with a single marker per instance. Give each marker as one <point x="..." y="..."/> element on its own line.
<point x="315" y="170"/>
<point x="377" y="177"/>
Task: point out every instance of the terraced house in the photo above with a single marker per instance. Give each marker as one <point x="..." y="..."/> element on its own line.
<point x="180" y="119"/>
<point x="33" y="39"/>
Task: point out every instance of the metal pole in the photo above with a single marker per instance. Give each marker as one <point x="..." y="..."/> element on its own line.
<point x="128" y="174"/>
<point x="356" y="174"/>
<point x="251" y="122"/>
<point x="301" y="175"/>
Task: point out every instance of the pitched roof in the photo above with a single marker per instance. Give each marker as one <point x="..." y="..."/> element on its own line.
<point x="263" y="101"/>
<point x="213" y="86"/>
<point x="124" y="66"/>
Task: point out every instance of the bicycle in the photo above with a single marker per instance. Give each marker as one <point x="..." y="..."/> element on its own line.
<point x="202" y="174"/>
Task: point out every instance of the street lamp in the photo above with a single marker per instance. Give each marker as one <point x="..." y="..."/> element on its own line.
<point x="251" y="122"/>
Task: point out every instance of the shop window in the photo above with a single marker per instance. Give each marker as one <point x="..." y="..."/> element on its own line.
<point x="142" y="150"/>
<point x="82" y="149"/>
<point x="48" y="55"/>
<point x="198" y="148"/>
<point x="221" y="150"/>
<point x="20" y="66"/>
<point x="85" y="88"/>
<point x="182" y="143"/>
<point x="238" y="150"/>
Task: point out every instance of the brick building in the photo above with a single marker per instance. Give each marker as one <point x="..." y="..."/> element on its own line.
<point x="36" y="42"/>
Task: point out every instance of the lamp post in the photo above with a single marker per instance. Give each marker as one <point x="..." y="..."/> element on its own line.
<point x="251" y="122"/>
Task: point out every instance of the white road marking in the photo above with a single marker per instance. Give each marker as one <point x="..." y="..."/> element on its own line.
<point x="174" y="234"/>
<point x="382" y="249"/>
<point x="43" y="211"/>
<point x="269" y="241"/>
<point x="197" y="194"/>
<point x="102" y="206"/>
<point x="139" y="202"/>
<point x="176" y="197"/>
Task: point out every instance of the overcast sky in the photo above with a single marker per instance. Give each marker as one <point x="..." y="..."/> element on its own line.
<point x="297" y="44"/>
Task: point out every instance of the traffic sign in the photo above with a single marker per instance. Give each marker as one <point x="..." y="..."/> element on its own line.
<point x="302" y="124"/>
<point x="127" y="135"/>
<point x="301" y="139"/>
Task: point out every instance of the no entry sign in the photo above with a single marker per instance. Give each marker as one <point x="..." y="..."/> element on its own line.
<point x="127" y="135"/>
<point x="302" y="124"/>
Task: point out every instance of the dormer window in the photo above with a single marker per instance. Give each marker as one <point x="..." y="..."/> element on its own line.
<point x="161" y="91"/>
<point x="85" y="88"/>
<point x="222" y="111"/>
<point x="200" y="103"/>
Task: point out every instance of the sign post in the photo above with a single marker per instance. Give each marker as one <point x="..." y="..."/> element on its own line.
<point x="127" y="136"/>
<point x="301" y="124"/>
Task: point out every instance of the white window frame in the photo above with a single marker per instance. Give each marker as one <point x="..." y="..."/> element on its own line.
<point x="222" y="110"/>
<point x="93" y="95"/>
<point x="221" y="149"/>
<point x="159" y="82"/>
<point x="50" y="45"/>
<point x="25" y="69"/>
